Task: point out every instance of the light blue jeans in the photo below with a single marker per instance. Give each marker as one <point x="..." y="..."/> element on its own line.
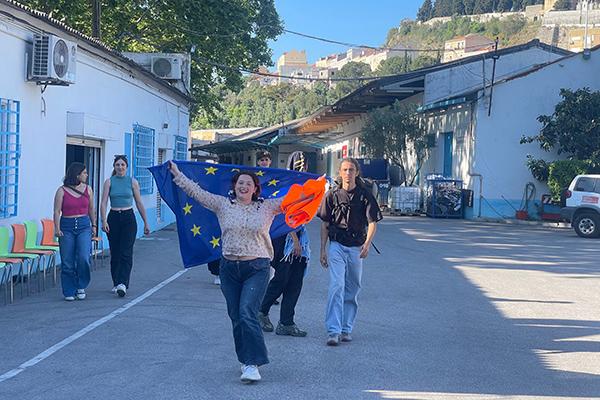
<point x="345" y="274"/>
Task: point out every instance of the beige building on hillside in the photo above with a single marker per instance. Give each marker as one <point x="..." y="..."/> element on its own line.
<point x="577" y="39"/>
<point x="466" y="46"/>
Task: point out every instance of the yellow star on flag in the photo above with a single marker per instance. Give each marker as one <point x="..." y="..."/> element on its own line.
<point x="210" y="170"/>
<point x="215" y="242"/>
<point x="260" y="173"/>
<point x="273" y="182"/>
<point x="195" y="230"/>
<point x="275" y="193"/>
<point x="187" y="209"/>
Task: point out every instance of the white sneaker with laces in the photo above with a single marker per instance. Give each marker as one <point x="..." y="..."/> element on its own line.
<point x="69" y="298"/>
<point x="250" y="374"/>
<point x="114" y="290"/>
<point x="81" y="294"/>
<point x="217" y="281"/>
<point x="121" y="290"/>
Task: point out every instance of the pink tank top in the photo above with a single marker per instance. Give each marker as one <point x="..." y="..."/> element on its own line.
<point x="72" y="205"/>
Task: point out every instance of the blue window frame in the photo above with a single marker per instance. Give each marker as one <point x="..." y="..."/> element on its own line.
<point x="127" y="149"/>
<point x="10" y="151"/>
<point x="180" y="152"/>
<point x="143" y="147"/>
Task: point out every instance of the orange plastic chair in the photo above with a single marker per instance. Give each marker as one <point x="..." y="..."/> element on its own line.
<point x="44" y="256"/>
<point x="48" y="237"/>
<point x="25" y="261"/>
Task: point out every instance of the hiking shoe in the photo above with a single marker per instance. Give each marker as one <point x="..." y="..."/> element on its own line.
<point x="291" y="330"/>
<point x="69" y="298"/>
<point x="345" y="337"/>
<point x="121" y="290"/>
<point x="333" y="340"/>
<point x="265" y="322"/>
<point x="80" y="294"/>
<point x="250" y="374"/>
<point x="217" y="281"/>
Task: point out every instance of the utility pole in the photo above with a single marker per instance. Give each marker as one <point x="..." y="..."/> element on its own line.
<point x="586" y="4"/>
<point x="495" y="57"/>
<point x="96" y="33"/>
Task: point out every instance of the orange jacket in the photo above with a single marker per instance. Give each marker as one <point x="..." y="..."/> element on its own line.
<point x="302" y="202"/>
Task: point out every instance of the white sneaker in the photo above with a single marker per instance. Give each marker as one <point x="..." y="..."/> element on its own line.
<point x="121" y="290"/>
<point x="69" y="298"/>
<point x="217" y="280"/>
<point x="81" y="294"/>
<point x="113" y="290"/>
<point x="250" y="374"/>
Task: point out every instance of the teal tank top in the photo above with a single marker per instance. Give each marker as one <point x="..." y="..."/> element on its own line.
<point x="121" y="192"/>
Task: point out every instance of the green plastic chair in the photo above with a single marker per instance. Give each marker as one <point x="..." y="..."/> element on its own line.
<point x="31" y="234"/>
<point x="6" y="280"/>
<point x="28" y="260"/>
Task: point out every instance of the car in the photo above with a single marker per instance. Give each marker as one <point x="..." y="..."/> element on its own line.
<point x="582" y="205"/>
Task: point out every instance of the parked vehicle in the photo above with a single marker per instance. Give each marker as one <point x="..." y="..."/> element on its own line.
<point x="582" y="208"/>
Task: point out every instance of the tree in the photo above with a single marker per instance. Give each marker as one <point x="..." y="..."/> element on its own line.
<point x="229" y="32"/>
<point x="457" y="7"/>
<point x="351" y="70"/>
<point x="563" y="5"/>
<point x="442" y="8"/>
<point x="425" y="11"/>
<point x="483" y="6"/>
<point x="504" y="5"/>
<point x="394" y="66"/>
<point x="393" y="132"/>
<point x="469" y="5"/>
<point x="574" y="130"/>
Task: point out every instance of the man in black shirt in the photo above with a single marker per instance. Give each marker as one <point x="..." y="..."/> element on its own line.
<point x="350" y="214"/>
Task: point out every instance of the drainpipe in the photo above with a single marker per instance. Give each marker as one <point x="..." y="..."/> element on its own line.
<point x="480" y="191"/>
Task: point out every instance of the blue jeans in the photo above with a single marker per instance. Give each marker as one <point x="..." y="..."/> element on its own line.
<point x="243" y="284"/>
<point x="345" y="274"/>
<point x="75" y="250"/>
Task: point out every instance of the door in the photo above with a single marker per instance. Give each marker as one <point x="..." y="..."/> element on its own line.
<point x="330" y="164"/>
<point x="162" y="154"/>
<point x="448" y="137"/>
<point x="88" y="153"/>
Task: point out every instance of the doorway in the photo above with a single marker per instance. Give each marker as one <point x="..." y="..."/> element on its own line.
<point x="448" y="149"/>
<point x="87" y="152"/>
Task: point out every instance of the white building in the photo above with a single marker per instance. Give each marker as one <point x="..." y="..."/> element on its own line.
<point x="112" y="106"/>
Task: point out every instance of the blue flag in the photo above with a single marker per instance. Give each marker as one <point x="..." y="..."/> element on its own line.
<point x="198" y="227"/>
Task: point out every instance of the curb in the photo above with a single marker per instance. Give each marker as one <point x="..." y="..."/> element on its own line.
<point x="546" y="224"/>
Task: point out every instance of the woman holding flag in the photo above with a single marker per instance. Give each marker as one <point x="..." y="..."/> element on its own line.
<point x="245" y="220"/>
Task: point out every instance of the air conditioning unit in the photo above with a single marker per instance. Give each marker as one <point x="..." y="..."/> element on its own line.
<point x="167" y="66"/>
<point x="53" y="61"/>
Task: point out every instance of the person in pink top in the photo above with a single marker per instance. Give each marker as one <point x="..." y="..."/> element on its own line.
<point x="74" y="224"/>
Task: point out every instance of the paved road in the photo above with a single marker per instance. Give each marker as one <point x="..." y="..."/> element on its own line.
<point x="450" y="310"/>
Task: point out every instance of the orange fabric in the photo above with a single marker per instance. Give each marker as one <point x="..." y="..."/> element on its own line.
<point x="48" y="233"/>
<point x="301" y="203"/>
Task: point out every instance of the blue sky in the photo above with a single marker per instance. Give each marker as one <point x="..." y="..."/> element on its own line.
<point x="355" y="21"/>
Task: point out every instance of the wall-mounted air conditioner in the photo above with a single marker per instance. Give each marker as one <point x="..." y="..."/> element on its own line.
<point x="53" y="60"/>
<point x="167" y="66"/>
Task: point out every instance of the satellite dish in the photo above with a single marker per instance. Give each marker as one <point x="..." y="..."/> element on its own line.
<point x="60" y="58"/>
<point x="297" y="162"/>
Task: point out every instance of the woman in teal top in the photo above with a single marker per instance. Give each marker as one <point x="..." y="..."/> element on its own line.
<point x="121" y="226"/>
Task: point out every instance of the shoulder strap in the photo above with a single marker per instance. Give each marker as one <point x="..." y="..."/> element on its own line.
<point x="77" y="191"/>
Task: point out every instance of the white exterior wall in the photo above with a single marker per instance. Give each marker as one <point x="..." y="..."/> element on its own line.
<point x="464" y="78"/>
<point x="104" y="103"/>
<point x="515" y="107"/>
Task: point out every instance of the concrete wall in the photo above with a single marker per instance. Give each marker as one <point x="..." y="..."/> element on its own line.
<point x="104" y="103"/>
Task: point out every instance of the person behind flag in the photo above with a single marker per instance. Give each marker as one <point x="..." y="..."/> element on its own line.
<point x="245" y="220"/>
<point x="121" y="226"/>
<point x="350" y="214"/>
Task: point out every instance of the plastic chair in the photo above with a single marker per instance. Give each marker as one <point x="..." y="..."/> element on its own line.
<point x="31" y="233"/>
<point x="45" y="256"/>
<point x="25" y="261"/>
<point x="6" y="280"/>
<point x="97" y="246"/>
<point x="48" y="237"/>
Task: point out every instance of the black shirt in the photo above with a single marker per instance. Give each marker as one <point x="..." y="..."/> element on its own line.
<point x="349" y="213"/>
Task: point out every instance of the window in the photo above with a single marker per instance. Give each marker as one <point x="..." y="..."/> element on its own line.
<point x="9" y="156"/>
<point x="143" y="147"/>
<point x="180" y="148"/>
<point x="585" y="184"/>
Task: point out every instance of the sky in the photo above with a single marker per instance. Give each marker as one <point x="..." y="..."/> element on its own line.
<point x="356" y="21"/>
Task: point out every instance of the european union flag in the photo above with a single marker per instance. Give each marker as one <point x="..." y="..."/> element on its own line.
<point x="198" y="227"/>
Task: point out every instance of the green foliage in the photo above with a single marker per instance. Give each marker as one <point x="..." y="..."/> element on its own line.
<point x="539" y="168"/>
<point x="389" y="130"/>
<point x="350" y="70"/>
<point x="574" y="127"/>
<point x="562" y="172"/>
<point x="563" y="5"/>
<point x="425" y="11"/>
<point x="230" y="32"/>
